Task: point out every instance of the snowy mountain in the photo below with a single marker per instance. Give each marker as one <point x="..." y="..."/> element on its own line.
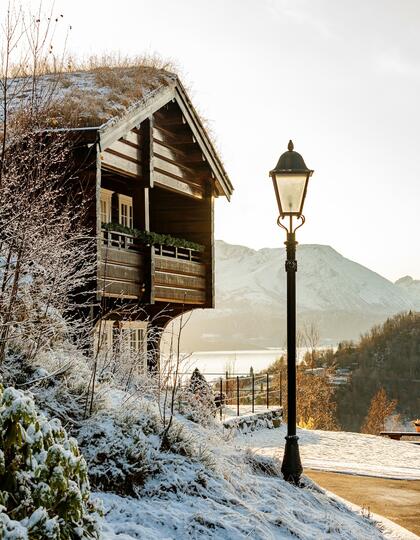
<point x="343" y="298"/>
<point x="411" y="287"/>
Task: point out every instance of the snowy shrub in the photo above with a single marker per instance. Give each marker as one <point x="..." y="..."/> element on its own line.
<point x="261" y="464"/>
<point x="57" y="380"/>
<point x="123" y="448"/>
<point x="44" y="486"/>
<point x="196" y="402"/>
<point x="120" y="449"/>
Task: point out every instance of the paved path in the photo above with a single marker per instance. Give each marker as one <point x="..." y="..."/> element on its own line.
<point x="397" y="500"/>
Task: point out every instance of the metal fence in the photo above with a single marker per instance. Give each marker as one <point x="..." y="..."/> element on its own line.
<point x="242" y="393"/>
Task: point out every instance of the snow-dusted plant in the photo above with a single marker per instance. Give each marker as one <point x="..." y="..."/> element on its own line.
<point x="44" y="486"/>
<point x="120" y="448"/>
<point x="46" y="258"/>
<point x="196" y="401"/>
<point x="123" y="448"/>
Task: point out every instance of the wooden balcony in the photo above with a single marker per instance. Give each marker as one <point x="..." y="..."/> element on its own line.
<point x="129" y="269"/>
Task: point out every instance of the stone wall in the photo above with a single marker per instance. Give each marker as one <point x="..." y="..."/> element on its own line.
<point x="270" y="419"/>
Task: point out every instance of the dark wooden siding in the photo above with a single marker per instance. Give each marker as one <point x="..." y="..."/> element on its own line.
<point x="123" y="273"/>
<point x="179" y="281"/>
<point x="124" y="155"/>
<point x="178" y="163"/>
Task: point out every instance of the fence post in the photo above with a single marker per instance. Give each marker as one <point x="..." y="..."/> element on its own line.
<point x="237" y="395"/>
<point x="227" y="387"/>
<point x="268" y="391"/>
<point x="281" y="381"/>
<point x="221" y="398"/>
<point x="253" y="389"/>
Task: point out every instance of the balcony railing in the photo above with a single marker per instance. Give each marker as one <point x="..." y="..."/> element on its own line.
<point x="185" y="254"/>
<point x="159" y="273"/>
<point x="121" y="240"/>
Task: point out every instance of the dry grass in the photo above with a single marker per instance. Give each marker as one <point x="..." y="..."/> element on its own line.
<point x="92" y="92"/>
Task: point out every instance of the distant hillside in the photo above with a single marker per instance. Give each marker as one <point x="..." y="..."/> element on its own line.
<point x="411" y="287"/>
<point x="388" y="356"/>
<point x="343" y="298"/>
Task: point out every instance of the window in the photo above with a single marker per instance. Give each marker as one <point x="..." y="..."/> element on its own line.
<point x="137" y="340"/>
<point x="106" y="199"/>
<point x="129" y="343"/>
<point x="125" y="210"/>
<point x="103" y="337"/>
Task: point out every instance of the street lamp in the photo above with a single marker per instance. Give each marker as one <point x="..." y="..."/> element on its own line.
<point x="290" y="180"/>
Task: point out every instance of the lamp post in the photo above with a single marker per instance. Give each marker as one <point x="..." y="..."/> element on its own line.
<point x="290" y="179"/>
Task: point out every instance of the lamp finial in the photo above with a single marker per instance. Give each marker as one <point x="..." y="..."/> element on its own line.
<point x="290" y="146"/>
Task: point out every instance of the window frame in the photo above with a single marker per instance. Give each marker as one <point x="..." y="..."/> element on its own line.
<point x="125" y="200"/>
<point x="106" y="197"/>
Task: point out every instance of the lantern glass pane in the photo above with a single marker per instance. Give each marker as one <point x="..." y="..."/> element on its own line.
<point x="291" y="189"/>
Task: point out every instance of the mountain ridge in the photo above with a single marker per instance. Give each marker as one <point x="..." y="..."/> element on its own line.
<point x="343" y="297"/>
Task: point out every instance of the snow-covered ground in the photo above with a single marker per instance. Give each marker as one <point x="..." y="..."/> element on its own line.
<point x="235" y="493"/>
<point x="344" y="452"/>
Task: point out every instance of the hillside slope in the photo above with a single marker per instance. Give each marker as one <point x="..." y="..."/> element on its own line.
<point x="342" y="296"/>
<point x="388" y="357"/>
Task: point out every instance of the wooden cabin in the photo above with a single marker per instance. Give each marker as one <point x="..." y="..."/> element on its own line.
<point x="155" y="175"/>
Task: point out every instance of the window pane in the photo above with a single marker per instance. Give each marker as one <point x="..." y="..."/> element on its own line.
<point x="291" y="189"/>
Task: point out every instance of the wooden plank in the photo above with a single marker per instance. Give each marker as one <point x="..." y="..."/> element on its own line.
<point x="129" y="151"/>
<point x="120" y="289"/>
<point x="176" y="169"/>
<point x="146" y="130"/>
<point x="152" y="274"/>
<point x="110" y="133"/>
<point x="168" y="264"/>
<point x="121" y="273"/>
<point x="190" y="159"/>
<point x="97" y="207"/>
<point x="170" y="152"/>
<point x="160" y="178"/>
<point x="121" y="256"/>
<point x="211" y="273"/>
<point x="132" y="137"/>
<point x="178" y="281"/>
<point x="169" y="119"/>
<point x="179" y="296"/>
<point x="203" y="140"/>
<point x="165" y="136"/>
<point x="120" y="165"/>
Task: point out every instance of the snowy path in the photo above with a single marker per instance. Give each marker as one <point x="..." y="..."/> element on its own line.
<point x="339" y="451"/>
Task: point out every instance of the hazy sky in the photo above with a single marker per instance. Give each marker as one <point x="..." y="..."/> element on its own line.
<point x="341" y="78"/>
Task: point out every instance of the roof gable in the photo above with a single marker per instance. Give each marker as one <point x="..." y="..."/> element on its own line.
<point x="116" y="128"/>
<point x="111" y="102"/>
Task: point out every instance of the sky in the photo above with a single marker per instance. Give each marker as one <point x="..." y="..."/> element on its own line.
<point x="342" y="79"/>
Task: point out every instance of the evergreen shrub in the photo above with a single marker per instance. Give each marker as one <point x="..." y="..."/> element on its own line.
<point x="44" y="486"/>
<point x="152" y="238"/>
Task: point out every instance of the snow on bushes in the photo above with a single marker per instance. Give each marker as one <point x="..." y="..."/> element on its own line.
<point x="123" y="449"/>
<point x="204" y="486"/>
<point x="44" y="486"/>
<point x="57" y="380"/>
<point x="196" y="401"/>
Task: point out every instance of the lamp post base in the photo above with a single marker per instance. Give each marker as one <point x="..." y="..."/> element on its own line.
<point x="291" y="466"/>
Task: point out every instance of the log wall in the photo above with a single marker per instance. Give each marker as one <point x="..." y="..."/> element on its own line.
<point x="181" y="282"/>
<point x="122" y="273"/>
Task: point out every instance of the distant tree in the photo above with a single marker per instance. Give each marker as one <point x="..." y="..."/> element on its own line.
<point x="380" y="409"/>
<point x="197" y="400"/>
<point x="316" y="396"/>
<point x="198" y="383"/>
<point x="316" y="402"/>
<point x="310" y="335"/>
